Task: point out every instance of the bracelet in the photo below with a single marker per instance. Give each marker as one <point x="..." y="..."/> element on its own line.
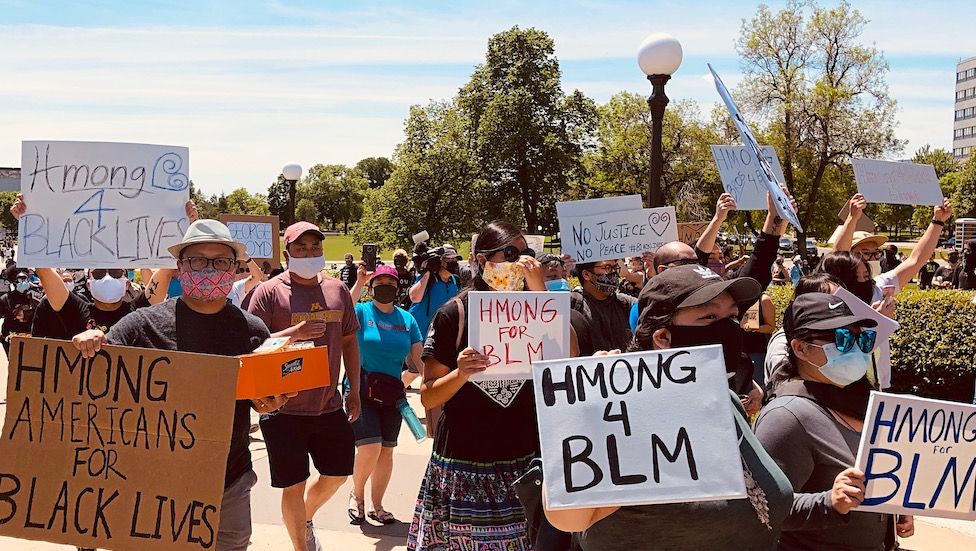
<point x="938" y="222"/>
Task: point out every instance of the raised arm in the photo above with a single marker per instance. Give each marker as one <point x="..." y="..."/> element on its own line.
<point x="54" y="287"/>
<point x="418" y="289"/>
<point x="257" y="276"/>
<point x="723" y="206"/>
<point x="155" y="289"/>
<point x="926" y="245"/>
<point x="857" y="204"/>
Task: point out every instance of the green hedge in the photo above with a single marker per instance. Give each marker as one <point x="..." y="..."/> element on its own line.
<point x="934" y="351"/>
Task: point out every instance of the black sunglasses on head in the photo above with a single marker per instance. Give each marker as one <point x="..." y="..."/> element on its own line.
<point x="512" y="253"/>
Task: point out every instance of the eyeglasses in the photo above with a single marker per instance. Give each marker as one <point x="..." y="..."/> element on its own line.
<point x="512" y="253"/>
<point x="99" y="273"/>
<point x="845" y="339"/>
<point x="611" y="268"/>
<point x="873" y="255"/>
<point x="221" y="264"/>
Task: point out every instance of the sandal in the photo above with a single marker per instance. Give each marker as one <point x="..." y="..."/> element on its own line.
<point x="355" y="509"/>
<point x="382" y="516"/>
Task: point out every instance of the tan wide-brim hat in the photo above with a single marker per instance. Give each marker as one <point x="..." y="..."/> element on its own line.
<point x="207" y="231"/>
<point x="865" y="238"/>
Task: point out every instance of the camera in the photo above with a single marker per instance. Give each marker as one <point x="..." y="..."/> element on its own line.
<point x="431" y="256"/>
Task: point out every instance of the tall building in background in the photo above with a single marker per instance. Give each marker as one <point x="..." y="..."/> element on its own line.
<point x="964" y="128"/>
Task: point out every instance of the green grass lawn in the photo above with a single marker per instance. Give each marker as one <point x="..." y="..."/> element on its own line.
<point x="336" y="247"/>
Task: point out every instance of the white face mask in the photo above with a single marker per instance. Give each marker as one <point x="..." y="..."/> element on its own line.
<point x="108" y="289"/>
<point x="844" y="368"/>
<point x="69" y="285"/>
<point x="306" y="268"/>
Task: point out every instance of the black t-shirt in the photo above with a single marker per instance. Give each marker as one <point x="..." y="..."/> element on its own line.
<point x="474" y="426"/>
<point x="948" y="273"/>
<point x="12" y="305"/>
<point x="405" y="279"/>
<point x="78" y="315"/>
<point x="601" y="324"/>
<point x="348" y="275"/>
<point x="172" y="325"/>
<point x="928" y="272"/>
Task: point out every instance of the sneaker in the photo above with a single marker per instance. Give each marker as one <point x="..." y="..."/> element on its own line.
<point x="311" y="542"/>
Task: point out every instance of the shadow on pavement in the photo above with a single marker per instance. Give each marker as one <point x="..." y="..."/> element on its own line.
<point x="388" y="536"/>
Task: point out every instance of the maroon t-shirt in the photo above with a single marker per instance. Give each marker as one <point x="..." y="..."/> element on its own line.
<point x="280" y="304"/>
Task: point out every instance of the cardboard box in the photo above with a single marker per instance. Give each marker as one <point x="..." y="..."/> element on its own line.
<point x="282" y="372"/>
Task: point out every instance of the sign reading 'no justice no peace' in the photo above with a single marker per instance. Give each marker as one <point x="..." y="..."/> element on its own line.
<point x="616" y="234"/>
<point x="102" y="205"/>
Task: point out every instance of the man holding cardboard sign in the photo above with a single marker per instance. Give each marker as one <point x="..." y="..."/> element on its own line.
<point x="202" y="321"/>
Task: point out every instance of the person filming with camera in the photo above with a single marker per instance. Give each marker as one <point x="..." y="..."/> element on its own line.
<point x="435" y="284"/>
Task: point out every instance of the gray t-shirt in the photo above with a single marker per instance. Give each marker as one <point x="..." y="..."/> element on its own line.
<point x="812" y="448"/>
<point x="708" y="525"/>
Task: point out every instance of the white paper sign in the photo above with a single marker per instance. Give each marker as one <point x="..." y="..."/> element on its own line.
<point x="587" y="207"/>
<point x="740" y="175"/>
<point x="918" y="457"/>
<point x="616" y="235"/>
<point x="635" y="429"/>
<point x="897" y="183"/>
<point x="102" y="205"/>
<point x="515" y="330"/>
<point x="885" y="329"/>
<point x="783" y="205"/>
<point x="256" y="236"/>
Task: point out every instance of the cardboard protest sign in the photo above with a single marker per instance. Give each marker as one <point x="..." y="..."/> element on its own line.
<point x="783" y="205"/>
<point x="102" y="205"/>
<point x="126" y="450"/>
<point x="863" y="224"/>
<point x="751" y="318"/>
<point x="897" y="183"/>
<point x="603" y="205"/>
<point x="606" y="442"/>
<point x="258" y="233"/>
<point x="689" y="232"/>
<point x="740" y="175"/>
<point x="515" y="330"/>
<point x="885" y="329"/>
<point x="616" y="235"/>
<point x="918" y="456"/>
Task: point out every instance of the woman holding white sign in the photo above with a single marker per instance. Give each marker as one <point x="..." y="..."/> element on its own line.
<point x="488" y="434"/>
<point x="812" y="428"/>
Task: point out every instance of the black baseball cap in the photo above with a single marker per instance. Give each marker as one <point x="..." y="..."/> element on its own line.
<point x="692" y="285"/>
<point x="820" y="312"/>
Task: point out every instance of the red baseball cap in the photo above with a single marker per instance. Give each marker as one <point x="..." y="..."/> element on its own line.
<point x="296" y="230"/>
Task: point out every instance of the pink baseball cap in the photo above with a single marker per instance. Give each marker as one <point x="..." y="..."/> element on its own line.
<point x="384" y="270"/>
<point x="297" y="229"/>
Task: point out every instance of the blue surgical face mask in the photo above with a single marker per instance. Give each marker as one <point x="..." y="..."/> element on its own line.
<point x="844" y="368"/>
<point x="557" y="285"/>
<point x="22" y="286"/>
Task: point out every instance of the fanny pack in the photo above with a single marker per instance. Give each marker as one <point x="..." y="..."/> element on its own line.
<point x="382" y="389"/>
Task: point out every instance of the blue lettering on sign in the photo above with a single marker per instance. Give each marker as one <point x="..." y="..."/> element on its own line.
<point x="167" y="175"/>
<point x="101" y="199"/>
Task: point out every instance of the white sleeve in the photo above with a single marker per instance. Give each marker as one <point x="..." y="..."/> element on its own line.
<point x="888" y="279"/>
<point x="236" y="294"/>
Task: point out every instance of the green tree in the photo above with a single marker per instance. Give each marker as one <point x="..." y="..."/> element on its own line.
<point x="278" y="200"/>
<point x="241" y="201"/>
<point x="822" y="95"/>
<point x="305" y="210"/>
<point x="376" y="170"/>
<point x="527" y="134"/>
<point x="964" y="197"/>
<point x="337" y="193"/>
<point x="941" y="160"/>
<point x="7" y="220"/>
<point x="206" y="206"/>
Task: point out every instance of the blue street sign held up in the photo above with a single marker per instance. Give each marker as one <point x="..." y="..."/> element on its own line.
<point x="783" y="205"/>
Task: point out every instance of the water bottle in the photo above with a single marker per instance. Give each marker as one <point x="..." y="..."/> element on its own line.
<point x="416" y="427"/>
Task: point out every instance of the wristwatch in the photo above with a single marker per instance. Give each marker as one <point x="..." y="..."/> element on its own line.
<point x="938" y="222"/>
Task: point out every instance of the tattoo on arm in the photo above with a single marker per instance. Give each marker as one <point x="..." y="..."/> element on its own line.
<point x="777" y="220"/>
<point x="151" y="292"/>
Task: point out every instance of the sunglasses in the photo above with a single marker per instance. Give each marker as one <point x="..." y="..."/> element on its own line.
<point x="512" y="253"/>
<point x="876" y="255"/>
<point x="845" y="339"/>
<point x="99" y="273"/>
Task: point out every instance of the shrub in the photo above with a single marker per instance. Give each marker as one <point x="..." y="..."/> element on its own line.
<point x="933" y="352"/>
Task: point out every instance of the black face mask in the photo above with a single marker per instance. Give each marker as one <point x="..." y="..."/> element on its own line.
<point x="863" y="290"/>
<point x="384" y="294"/>
<point x="452" y="267"/>
<point x="851" y="400"/>
<point x="953" y="258"/>
<point x="400" y="262"/>
<point x="725" y="332"/>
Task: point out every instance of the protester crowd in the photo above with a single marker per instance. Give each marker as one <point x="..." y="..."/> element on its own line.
<point x="798" y="394"/>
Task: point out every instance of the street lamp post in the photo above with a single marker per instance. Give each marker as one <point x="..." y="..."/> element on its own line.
<point x="659" y="56"/>
<point x="292" y="172"/>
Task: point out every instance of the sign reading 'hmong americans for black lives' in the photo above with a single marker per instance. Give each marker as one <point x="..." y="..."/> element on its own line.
<point x="126" y="450"/>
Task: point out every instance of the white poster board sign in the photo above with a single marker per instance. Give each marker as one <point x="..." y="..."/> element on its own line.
<point x="885" y="329"/>
<point x="516" y="330"/>
<point x="783" y="205"/>
<point x="606" y="440"/>
<point x="102" y="205"/>
<point x="897" y="183"/>
<point x="256" y="236"/>
<point x="918" y="457"/>
<point x="603" y="205"/>
<point x="741" y="177"/>
<point x="616" y="235"/>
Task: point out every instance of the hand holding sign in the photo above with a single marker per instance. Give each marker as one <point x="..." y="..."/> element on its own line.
<point x="848" y="491"/>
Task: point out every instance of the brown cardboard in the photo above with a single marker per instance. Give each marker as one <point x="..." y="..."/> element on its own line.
<point x="282" y="372"/>
<point x="751" y="319"/>
<point x="689" y="232"/>
<point x="863" y="224"/>
<point x="164" y="432"/>
<point x="275" y="260"/>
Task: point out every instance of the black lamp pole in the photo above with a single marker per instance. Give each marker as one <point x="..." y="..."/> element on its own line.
<point x="658" y="101"/>
<point x="291" y="201"/>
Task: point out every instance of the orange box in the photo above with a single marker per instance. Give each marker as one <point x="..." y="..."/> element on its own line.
<point x="282" y="372"/>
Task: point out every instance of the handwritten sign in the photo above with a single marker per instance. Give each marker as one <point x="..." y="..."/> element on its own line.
<point x="618" y="234"/>
<point x="603" y="205"/>
<point x="605" y="442"/>
<point x="740" y="175"/>
<point x="690" y="232"/>
<point x="751" y="318"/>
<point x="783" y="205"/>
<point x="886" y="328"/>
<point x="918" y="457"/>
<point x="126" y="450"/>
<point x="897" y="183"/>
<point x="258" y="233"/>
<point x="102" y="205"/>
<point x="515" y="330"/>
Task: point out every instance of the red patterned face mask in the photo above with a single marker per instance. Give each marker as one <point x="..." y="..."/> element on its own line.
<point x="207" y="285"/>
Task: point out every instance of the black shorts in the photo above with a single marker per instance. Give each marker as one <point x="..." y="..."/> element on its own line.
<point x="291" y="439"/>
<point x="377" y="424"/>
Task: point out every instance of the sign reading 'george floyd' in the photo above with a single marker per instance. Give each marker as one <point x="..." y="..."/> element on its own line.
<point x="126" y="450"/>
<point x="102" y="205"/>
<point x="741" y="176"/>
<point x="919" y="457"/>
<point x="605" y="441"/>
<point x="260" y="234"/>
<point x="615" y="235"/>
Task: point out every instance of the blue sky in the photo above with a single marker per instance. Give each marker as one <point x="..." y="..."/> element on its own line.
<point x="251" y="85"/>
